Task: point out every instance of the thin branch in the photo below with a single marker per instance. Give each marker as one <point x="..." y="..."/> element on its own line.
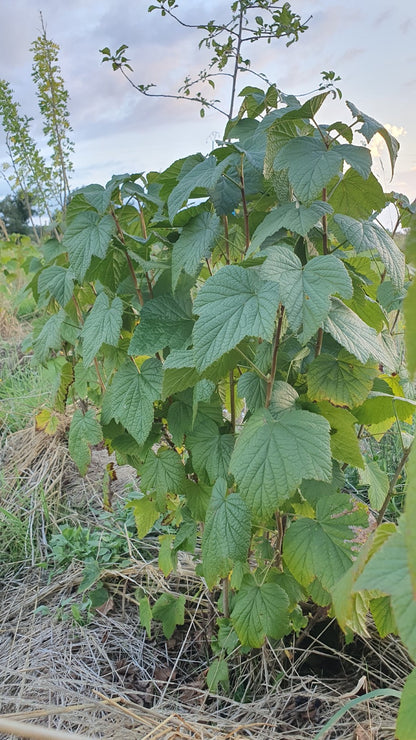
<point x="227" y="240"/>
<point x="127" y="256"/>
<point x="319" y="340"/>
<point x="245" y="209"/>
<point x="324" y="225"/>
<point x="237" y="61"/>
<point x="392" y="485"/>
<point x="255" y="368"/>
<point x="226" y="597"/>
<point x="97" y="370"/>
<point x="194" y="99"/>
<point x="276" y="344"/>
<point x="232" y="399"/>
<point x="144" y="234"/>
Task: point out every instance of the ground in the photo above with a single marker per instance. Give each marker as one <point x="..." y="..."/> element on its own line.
<point x="96" y="673"/>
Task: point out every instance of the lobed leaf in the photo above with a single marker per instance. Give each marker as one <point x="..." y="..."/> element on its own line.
<point x="344" y="380"/>
<point x="389" y="571"/>
<point x="234" y="303"/>
<point x="227" y="533"/>
<point x="195" y="243"/>
<point x="165" y="321"/>
<point x="87" y="235"/>
<point x="292" y="216"/>
<point x="162" y="472"/>
<point x="305" y="291"/>
<point x="211" y="451"/>
<point x="367" y="235"/>
<point x="323" y="547"/>
<point x="272" y="456"/>
<point x="260" y="611"/>
<point x="84" y="431"/>
<point x="102" y="326"/>
<point x="132" y="394"/>
<point x="59" y="282"/>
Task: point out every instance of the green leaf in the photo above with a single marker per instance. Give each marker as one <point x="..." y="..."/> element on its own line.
<point x="272" y="456"/>
<point x="59" y="282"/>
<point x="310" y="165"/>
<point x="388" y="570"/>
<point x="305" y="291"/>
<point x="211" y="451"/>
<point x="234" y="303"/>
<point x="283" y="398"/>
<point x="97" y="196"/>
<point x="253" y="388"/>
<point x="110" y="271"/>
<point x="195" y="243"/>
<point x="145" y="514"/>
<point x="66" y="380"/>
<point x="406" y="719"/>
<point x="203" y="175"/>
<point x="179" y="372"/>
<point x="371" y="127"/>
<point x="323" y="547"/>
<point x="132" y="394"/>
<point x="409" y="310"/>
<point x="90" y="575"/>
<point x="83" y="432"/>
<point x="350" y="606"/>
<point x="170" y="610"/>
<point x="164" y="322"/>
<point x="217" y="674"/>
<point x="410" y="520"/>
<point x="225" y="196"/>
<point x="378" y="484"/>
<point x="167" y="558"/>
<point x="227" y="533"/>
<point x="369" y="310"/>
<point x="345" y="446"/>
<point x="179" y="419"/>
<point x="308" y="109"/>
<point x="367" y="235"/>
<point x="145" y="615"/>
<point x="87" y="235"/>
<point x="292" y="216"/>
<point x="162" y="472"/>
<point x="197" y="498"/>
<point x="352" y="333"/>
<point x="344" y="380"/>
<point x="384" y="408"/>
<point x="356" y="196"/>
<point x="49" y="337"/>
<point x="358" y="157"/>
<point x="382" y="614"/>
<point x="260" y="611"/>
<point x="102" y="326"/>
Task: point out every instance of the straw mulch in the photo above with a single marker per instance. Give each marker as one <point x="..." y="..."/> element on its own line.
<point x="107" y="679"/>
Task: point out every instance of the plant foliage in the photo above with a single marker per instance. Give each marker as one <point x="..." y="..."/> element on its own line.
<point x="235" y="313"/>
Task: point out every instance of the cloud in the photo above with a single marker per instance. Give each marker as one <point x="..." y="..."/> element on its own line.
<point x="117" y="128"/>
<point x="378" y="145"/>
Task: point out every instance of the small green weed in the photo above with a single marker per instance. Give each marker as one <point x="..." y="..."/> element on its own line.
<point x="88" y="545"/>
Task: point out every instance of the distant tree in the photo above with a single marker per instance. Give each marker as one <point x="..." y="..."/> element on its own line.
<point x="26" y="169"/>
<point x="53" y="105"/>
<point x="15" y="213"/>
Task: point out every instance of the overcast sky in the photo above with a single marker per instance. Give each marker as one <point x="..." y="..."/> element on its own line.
<point x="371" y="44"/>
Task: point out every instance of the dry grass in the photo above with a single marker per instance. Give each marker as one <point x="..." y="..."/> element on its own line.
<point x="108" y="680"/>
